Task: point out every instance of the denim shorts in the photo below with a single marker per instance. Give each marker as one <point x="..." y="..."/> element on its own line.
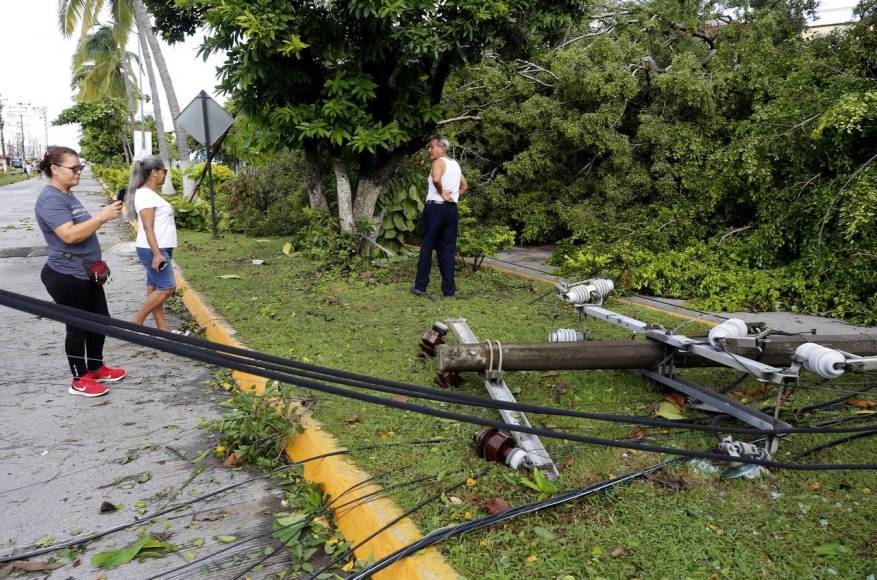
<point x="160" y="280"/>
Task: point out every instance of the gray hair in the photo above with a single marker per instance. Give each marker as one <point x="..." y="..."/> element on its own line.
<point x="140" y="171"/>
<point x="442" y="141"/>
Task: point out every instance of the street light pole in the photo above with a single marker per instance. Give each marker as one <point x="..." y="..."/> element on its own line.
<point x="22" y="154"/>
<point x="2" y="138"/>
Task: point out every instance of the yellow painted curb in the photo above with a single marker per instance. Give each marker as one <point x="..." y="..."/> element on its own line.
<point x="336" y="474"/>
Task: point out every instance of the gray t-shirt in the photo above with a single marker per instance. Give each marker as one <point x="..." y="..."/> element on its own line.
<point x="55" y="208"/>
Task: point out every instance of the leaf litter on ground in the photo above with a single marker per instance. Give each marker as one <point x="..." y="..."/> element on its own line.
<point x="145" y="547"/>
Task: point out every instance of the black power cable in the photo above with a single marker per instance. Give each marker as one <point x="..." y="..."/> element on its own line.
<point x="359" y="501"/>
<point x="98" y="535"/>
<point x="255" y="365"/>
<point x="305" y="520"/>
<point x="421" y="505"/>
<point x="443" y="534"/>
<point x="72" y="315"/>
<point x="834" y="442"/>
<point x="173" y="508"/>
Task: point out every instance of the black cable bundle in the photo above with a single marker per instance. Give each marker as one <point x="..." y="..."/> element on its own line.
<point x="289" y="371"/>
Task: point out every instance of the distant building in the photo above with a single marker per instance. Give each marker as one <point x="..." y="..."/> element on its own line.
<point x="824" y="29"/>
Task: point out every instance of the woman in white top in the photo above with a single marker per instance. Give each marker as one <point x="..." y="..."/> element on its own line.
<point x="156" y="235"/>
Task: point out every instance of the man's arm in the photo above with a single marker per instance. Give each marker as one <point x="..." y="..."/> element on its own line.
<point x="464" y="185"/>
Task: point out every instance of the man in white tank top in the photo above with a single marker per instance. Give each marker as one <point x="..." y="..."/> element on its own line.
<point x="444" y="186"/>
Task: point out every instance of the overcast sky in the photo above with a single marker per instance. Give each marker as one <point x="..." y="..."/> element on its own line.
<point x="35" y="67"/>
<point x="35" y="64"/>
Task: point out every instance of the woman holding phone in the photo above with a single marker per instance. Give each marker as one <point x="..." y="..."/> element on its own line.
<point x="156" y="235"/>
<point x="69" y="274"/>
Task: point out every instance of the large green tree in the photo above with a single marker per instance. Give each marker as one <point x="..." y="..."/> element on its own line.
<point x="103" y="128"/>
<point x="690" y="153"/>
<point x="358" y="83"/>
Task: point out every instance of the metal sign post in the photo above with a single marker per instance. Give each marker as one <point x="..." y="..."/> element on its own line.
<point x="205" y="120"/>
<point x="203" y="96"/>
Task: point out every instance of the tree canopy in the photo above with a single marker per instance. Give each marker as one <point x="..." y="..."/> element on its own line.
<point x="692" y="153"/>
<point x="698" y="149"/>
<point x="360" y="81"/>
<point x="103" y="128"/>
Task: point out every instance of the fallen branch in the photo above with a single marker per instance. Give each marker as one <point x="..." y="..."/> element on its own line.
<point x="460" y="118"/>
<point x="735" y="231"/>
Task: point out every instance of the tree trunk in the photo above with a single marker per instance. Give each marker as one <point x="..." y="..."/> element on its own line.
<point x="141" y="15"/>
<point x="168" y="187"/>
<point x="371" y="186"/>
<point x="129" y="97"/>
<point x="126" y="145"/>
<point x="345" y="207"/>
<point x="314" y="179"/>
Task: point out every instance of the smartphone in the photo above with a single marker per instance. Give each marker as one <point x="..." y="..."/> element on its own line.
<point x="162" y="266"/>
<point x="120" y="195"/>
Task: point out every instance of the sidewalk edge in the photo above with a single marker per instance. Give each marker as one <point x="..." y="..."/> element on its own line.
<point x="549" y="280"/>
<point x="336" y="474"/>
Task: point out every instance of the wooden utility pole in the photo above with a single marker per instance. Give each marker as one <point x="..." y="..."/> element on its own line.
<point x="631" y="354"/>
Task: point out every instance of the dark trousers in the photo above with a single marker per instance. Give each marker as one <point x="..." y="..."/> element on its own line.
<point x="440" y="233"/>
<point x="84" y="295"/>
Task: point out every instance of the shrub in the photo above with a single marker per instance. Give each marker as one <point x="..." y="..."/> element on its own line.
<point x="267" y="200"/>
<point x="401" y="208"/>
<point x="113" y="176"/>
<point x="221" y="174"/>
<point x="720" y="277"/>
<point x="195" y="215"/>
<point x="319" y="238"/>
<point x="478" y="241"/>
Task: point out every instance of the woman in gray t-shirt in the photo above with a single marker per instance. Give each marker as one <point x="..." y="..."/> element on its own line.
<point x="70" y="234"/>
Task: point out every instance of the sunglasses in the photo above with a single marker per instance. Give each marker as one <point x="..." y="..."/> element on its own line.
<point x="74" y="169"/>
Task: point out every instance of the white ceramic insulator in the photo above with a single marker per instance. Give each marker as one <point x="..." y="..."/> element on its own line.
<point x="515" y="458"/>
<point x="598" y="289"/>
<point x="566" y="335"/>
<point x="821" y="360"/>
<point x="729" y="328"/>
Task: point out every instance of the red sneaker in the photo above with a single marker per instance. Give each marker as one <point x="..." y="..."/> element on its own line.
<point x="105" y="374"/>
<point x="87" y="388"/>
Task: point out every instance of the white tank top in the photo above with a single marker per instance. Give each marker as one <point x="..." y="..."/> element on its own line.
<point x="450" y="181"/>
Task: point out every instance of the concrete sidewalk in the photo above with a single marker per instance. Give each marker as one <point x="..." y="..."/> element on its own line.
<point x="62" y="456"/>
<point x="531" y="262"/>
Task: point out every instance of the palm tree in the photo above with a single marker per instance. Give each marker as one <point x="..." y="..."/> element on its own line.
<point x="85" y="13"/>
<point x="100" y="46"/>
<point x="101" y="68"/>
<point x="143" y="23"/>
<point x="168" y="187"/>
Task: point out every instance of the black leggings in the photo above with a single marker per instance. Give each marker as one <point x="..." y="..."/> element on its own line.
<point x="85" y="295"/>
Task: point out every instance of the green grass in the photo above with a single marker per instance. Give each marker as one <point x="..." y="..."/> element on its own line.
<point x="681" y="524"/>
<point x="11" y="178"/>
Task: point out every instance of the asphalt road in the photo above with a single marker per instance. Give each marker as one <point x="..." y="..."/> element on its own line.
<point x="61" y="456"/>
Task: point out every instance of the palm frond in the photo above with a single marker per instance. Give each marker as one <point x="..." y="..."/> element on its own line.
<point x="69" y="14"/>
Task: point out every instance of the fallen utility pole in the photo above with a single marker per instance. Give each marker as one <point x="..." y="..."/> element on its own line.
<point x="635" y="354"/>
<point x="496" y="387"/>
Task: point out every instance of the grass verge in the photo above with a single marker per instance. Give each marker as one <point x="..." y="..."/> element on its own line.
<point x="11" y="178"/>
<point x="681" y="523"/>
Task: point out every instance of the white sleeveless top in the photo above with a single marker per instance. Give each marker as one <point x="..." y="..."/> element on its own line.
<point x="450" y="181"/>
<point x="164" y="227"/>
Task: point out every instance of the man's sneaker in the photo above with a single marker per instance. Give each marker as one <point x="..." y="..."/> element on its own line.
<point x="418" y="292"/>
<point x="87" y="388"/>
<point x="105" y="375"/>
